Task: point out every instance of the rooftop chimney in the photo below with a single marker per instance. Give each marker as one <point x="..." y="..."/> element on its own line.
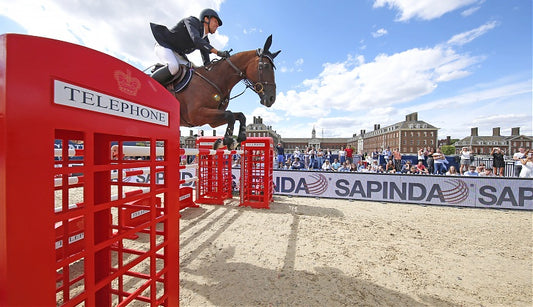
<point x="473" y="132"/>
<point x="496" y="131"/>
<point x="413" y="117"/>
<point x="515" y="131"/>
<point x="363" y="131"/>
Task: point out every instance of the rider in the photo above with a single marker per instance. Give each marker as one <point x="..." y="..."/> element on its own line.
<point x="188" y="35"/>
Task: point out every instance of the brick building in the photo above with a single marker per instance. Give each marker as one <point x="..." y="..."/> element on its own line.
<point x="408" y="135"/>
<point x="188" y="141"/>
<point x="482" y="145"/>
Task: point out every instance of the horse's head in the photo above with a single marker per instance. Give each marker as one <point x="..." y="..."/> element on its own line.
<point x="261" y="74"/>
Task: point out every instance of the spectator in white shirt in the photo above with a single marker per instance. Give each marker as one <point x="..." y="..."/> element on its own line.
<point x="326" y="166"/>
<point x="521" y="154"/>
<point x="465" y="160"/>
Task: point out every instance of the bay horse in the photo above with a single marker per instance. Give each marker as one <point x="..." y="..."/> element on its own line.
<point x="206" y="98"/>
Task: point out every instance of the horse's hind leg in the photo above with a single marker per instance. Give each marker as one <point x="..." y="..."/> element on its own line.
<point x="242" y="126"/>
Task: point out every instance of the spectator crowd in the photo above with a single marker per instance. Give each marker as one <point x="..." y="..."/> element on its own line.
<point x="387" y="160"/>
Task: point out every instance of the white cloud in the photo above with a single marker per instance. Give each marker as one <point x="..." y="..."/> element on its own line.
<point x="269" y="117"/>
<point x="455" y="115"/>
<point x="423" y="9"/>
<point x="466" y="37"/>
<point x="470" y="11"/>
<point x="251" y="31"/>
<point x="480" y="96"/>
<point x="379" y="33"/>
<point x="299" y="104"/>
<point x="295" y="129"/>
<point x="296" y="66"/>
<point x="362" y="45"/>
<point x="386" y="81"/>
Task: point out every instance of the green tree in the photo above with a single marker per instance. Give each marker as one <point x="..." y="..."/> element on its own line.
<point x="448" y="149"/>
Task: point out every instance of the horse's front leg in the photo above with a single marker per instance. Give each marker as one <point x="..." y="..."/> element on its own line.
<point x="228" y="136"/>
<point x="242" y="126"/>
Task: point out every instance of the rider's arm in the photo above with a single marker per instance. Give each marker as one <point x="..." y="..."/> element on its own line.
<point x="195" y="29"/>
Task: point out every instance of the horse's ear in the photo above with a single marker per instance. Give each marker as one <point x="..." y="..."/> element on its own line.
<point x="275" y="54"/>
<point x="268" y="43"/>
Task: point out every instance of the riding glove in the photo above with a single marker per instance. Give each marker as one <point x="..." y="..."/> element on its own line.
<point x="223" y="54"/>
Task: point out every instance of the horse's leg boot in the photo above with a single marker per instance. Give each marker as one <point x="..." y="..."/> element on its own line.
<point x="162" y="75"/>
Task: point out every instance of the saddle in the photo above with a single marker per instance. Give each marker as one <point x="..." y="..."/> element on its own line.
<point x="180" y="81"/>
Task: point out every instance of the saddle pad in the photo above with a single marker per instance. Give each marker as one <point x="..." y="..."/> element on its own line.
<point x="182" y="84"/>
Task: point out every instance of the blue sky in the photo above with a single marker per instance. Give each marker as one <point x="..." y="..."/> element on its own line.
<point x="344" y="65"/>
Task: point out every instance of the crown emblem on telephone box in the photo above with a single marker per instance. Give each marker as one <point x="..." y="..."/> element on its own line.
<point x="126" y="83"/>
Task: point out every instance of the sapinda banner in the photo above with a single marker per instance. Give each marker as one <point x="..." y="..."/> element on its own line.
<point x="480" y="192"/>
<point x="484" y="192"/>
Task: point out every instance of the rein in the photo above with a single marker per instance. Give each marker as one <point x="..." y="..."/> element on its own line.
<point x="224" y="101"/>
<point x="257" y="87"/>
<point x="247" y="82"/>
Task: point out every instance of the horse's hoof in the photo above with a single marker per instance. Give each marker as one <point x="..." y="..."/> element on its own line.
<point x="217" y="144"/>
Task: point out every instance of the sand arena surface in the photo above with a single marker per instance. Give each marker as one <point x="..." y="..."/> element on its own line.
<point x="324" y="252"/>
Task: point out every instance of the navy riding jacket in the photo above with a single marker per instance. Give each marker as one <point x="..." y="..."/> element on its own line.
<point x="184" y="38"/>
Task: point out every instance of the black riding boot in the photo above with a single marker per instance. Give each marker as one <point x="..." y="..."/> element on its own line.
<point x="162" y="75"/>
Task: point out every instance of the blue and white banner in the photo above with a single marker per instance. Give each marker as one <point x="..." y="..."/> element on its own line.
<point x="508" y="193"/>
<point x="480" y="192"/>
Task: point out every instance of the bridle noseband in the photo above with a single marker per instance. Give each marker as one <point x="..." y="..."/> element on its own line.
<point x="259" y="86"/>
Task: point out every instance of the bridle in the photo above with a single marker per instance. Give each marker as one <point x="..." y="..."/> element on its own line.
<point x="258" y="87"/>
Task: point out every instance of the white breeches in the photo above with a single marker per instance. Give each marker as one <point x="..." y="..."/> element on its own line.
<point x="169" y="57"/>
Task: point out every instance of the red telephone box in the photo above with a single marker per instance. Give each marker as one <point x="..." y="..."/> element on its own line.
<point x="214" y="173"/>
<point x="62" y="106"/>
<point x="257" y="172"/>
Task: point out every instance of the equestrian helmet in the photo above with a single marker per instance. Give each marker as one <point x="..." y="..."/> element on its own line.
<point x="210" y="13"/>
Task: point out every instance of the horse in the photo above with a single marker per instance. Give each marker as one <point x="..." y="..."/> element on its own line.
<point x="206" y="97"/>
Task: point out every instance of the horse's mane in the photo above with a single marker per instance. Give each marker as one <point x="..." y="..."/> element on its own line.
<point x="216" y="62"/>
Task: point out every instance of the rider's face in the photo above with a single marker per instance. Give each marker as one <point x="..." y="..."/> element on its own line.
<point x="213" y="25"/>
